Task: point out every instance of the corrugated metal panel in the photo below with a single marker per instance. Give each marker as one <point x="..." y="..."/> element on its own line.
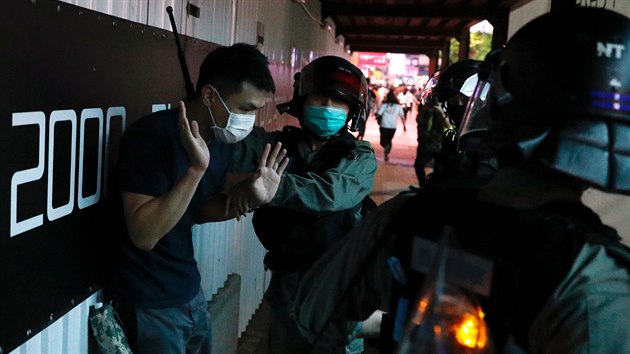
<point x="275" y="27"/>
<point x="215" y="22"/>
<point x="231" y="247"/>
<point x="68" y="334"/>
<point x="247" y="16"/>
<point x="132" y="10"/>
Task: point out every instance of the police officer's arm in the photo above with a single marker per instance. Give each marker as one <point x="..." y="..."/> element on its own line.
<point x="339" y="188"/>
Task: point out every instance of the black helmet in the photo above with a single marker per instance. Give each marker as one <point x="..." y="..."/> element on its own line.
<point x="452" y="79"/>
<point x="475" y="160"/>
<point x="456" y="81"/>
<point x="333" y="76"/>
<point x="562" y="96"/>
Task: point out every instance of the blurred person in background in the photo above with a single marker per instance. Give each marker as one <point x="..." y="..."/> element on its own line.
<point x="407" y="101"/>
<point x="432" y="123"/>
<point x="387" y="116"/>
<point x="452" y="91"/>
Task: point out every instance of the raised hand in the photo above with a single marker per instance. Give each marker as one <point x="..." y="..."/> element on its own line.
<point x="195" y="146"/>
<point x="267" y="178"/>
<point x="261" y="187"/>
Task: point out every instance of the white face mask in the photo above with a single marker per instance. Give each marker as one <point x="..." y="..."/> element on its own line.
<point x="237" y="128"/>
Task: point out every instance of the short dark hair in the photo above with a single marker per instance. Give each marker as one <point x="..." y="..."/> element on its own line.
<point x="391" y="97"/>
<point x="227" y="68"/>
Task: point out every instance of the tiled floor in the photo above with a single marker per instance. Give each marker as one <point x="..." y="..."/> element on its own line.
<point x="392" y="177"/>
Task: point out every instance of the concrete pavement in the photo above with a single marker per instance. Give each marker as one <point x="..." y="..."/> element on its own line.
<point x="397" y="174"/>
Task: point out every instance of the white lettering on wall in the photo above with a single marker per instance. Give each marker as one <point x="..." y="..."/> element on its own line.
<point x="69" y="115"/>
<point x="27" y="175"/>
<point x="91" y="113"/>
<point x="160" y="107"/>
<point x="111" y="113"/>
<point x="36" y="173"/>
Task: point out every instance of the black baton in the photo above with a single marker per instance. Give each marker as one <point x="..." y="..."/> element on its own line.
<point x="190" y="90"/>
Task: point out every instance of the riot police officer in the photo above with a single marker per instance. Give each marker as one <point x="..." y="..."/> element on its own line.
<point x="559" y="279"/>
<point x="325" y="193"/>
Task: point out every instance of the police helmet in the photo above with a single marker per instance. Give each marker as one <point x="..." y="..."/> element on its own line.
<point x="474" y="155"/>
<point x="562" y="96"/>
<point x="334" y="76"/>
<point x="453" y="77"/>
<point x="455" y="82"/>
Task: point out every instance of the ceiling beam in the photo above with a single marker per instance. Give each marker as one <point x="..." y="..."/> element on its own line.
<point x="393" y="49"/>
<point x="398" y="42"/>
<point x="409" y="11"/>
<point x="402" y="31"/>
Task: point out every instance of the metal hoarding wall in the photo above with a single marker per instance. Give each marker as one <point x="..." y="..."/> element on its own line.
<point x="72" y="79"/>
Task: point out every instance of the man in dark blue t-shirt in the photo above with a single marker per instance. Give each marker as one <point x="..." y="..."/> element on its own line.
<point x="172" y="167"/>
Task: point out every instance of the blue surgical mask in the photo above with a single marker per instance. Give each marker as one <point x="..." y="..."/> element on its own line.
<point x="324" y="121"/>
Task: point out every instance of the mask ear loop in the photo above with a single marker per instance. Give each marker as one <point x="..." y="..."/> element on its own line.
<point x="208" y="102"/>
<point x="222" y="102"/>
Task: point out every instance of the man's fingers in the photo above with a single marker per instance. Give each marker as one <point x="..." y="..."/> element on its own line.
<point x="183" y="120"/>
<point x="182" y="109"/>
<point x="280" y="159"/>
<point x="282" y="166"/>
<point x="271" y="160"/>
<point x="263" y="158"/>
<point x="194" y="128"/>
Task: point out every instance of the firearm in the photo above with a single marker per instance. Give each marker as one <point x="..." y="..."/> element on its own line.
<point x="190" y="90"/>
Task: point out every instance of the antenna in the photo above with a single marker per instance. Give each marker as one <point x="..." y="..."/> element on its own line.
<point x="190" y="90"/>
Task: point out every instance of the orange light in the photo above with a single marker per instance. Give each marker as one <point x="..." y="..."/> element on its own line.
<point x="471" y="331"/>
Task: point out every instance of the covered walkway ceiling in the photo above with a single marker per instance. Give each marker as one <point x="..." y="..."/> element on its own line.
<point x="415" y="26"/>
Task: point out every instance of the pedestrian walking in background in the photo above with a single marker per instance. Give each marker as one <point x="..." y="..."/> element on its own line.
<point x="406" y="100"/>
<point x="387" y="117"/>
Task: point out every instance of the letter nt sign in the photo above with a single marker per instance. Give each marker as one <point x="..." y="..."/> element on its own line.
<point x="610" y="50"/>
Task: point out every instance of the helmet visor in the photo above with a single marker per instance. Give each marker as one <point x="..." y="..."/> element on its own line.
<point x="427" y="90"/>
<point x="476" y="115"/>
<point x="340" y="83"/>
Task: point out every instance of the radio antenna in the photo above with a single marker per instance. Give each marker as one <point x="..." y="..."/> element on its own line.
<point x="190" y="90"/>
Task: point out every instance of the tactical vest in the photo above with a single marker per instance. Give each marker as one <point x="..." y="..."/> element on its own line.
<point x="295" y="239"/>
